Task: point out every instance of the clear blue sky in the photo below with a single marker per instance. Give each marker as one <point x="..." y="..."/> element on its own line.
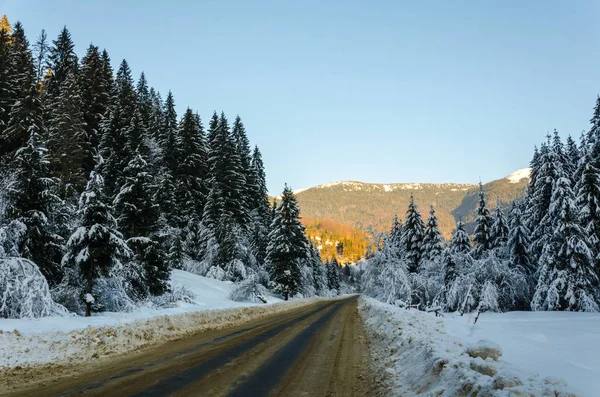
<point x="381" y="91"/>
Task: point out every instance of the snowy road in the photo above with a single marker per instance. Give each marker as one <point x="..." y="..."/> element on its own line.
<point x="317" y="350"/>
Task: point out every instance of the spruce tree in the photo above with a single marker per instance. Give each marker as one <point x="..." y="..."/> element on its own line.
<point x="31" y="197"/>
<point x="319" y="271"/>
<point x="193" y="244"/>
<point x="21" y="64"/>
<point x="95" y="95"/>
<point x="460" y="243"/>
<point x="192" y="173"/>
<point x="191" y="190"/>
<point x="145" y="102"/>
<point x="499" y="231"/>
<point x="115" y="128"/>
<point x="287" y="247"/>
<point x="210" y="247"/>
<point x="519" y="242"/>
<point x="157" y="114"/>
<point x="593" y="134"/>
<point x="573" y="155"/>
<point x="540" y="190"/>
<point x="553" y="163"/>
<point x="450" y="272"/>
<point x="136" y="136"/>
<point x="242" y="144"/>
<point x="584" y="150"/>
<point x="138" y="217"/>
<point x="333" y="275"/>
<point x="567" y="278"/>
<point x="559" y="152"/>
<point x="232" y="176"/>
<point x="169" y="137"/>
<point x="432" y="240"/>
<point x="62" y="60"/>
<point x="584" y="144"/>
<point x="260" y="210"/>
<point x="96" y="246"/>
<point x="227" y="182"/>
<point x="413" y="236"/>
<point x="587" y="191"/>
<point x="20" y="77"/>
<point x="169" y="144"/>
<point x="534" y="165"/>
<point x="213" y="129"/>
<point x="107" y="71"/>
<point x="137" y="212"/>
<point x="7" y="98"/>
<point x="397" y="233"/>
<point x="483" y="224"/>
<point x="68" y="145"/>
<point x="40" y="59"/>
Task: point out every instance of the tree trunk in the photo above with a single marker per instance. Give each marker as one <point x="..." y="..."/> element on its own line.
<point x="88" y="290"/>
<point x="286" y="295"/>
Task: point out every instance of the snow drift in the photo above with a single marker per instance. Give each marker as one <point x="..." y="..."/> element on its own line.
<point x="422" y="359"/>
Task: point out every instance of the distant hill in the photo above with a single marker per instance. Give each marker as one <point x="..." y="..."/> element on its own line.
<point x="361" y="205"/>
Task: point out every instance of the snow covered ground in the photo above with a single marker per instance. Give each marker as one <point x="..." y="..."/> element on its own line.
<point x="209" y="294"/>
<point x="423" y="355"/>
<point x="74" y="338"/>
<point x="559" y="344"/>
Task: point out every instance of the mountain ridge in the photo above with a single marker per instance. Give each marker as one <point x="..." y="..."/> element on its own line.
<point x="515" y="177"/>
<point x="372" y="206"/>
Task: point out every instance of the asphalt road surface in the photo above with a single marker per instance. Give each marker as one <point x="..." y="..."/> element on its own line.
<point x="317" y="350"/>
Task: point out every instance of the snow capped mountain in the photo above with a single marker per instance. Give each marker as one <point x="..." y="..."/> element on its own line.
<point x="388" y="187"/>
<point x="516" y="176"/>
<point x="362" y="205"/>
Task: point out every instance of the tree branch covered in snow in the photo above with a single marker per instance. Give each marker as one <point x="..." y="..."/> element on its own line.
<point x="24" y="291"/>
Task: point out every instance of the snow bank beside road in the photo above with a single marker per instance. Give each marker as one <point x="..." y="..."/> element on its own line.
<point x="559" y="344"/>
<point x="421" y="358"/>
<point x="208" y="294"/>
<point x="60" y="340"/>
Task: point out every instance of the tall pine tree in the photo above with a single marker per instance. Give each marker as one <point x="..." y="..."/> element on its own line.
<point x="67" y="138"/>
<point x="460" y="243"/>
<point x="483" y="224"/>
<point x="413" y="236"/>
<point x="138" y="217"/>
<point x="31" y="197"/>
<point x="567" y="278"/>
<point x="432" y="239"/>
<point x="95" y="96"/>
<point x="62" y="60"/>
<point x="115" y="128"/>
<point x="96" y="246"/>
<point x="288" y="246"/>
<point x="519" y="242"/>
<point x="20" y="77"/>
<point x="587" y="190"/>
<point x="499" y="231"/>
<point x="192" y="173"/>
<point x="259" y="207"/>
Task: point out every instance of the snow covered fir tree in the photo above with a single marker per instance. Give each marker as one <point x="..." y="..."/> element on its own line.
<point x="104" y="190"/>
